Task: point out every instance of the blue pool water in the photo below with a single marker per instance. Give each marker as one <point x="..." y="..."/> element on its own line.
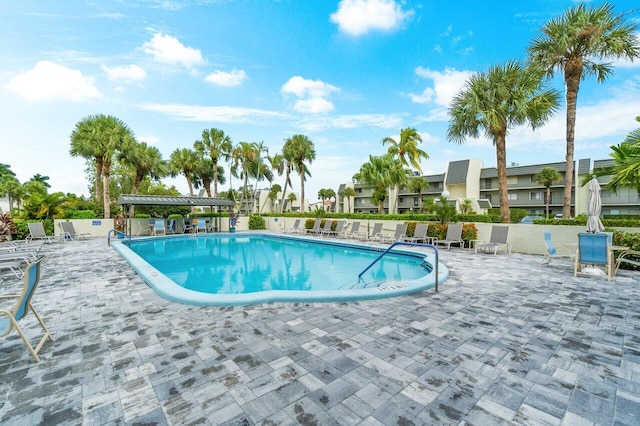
<point x="238" y="269"/>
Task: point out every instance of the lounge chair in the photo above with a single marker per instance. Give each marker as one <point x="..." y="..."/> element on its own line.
<point x="15" y="267"/>
<point x="187" y="226"/>
<point x="315" y="228"/>
<point x="454" y="236"/>
<point x="294" y="229"/>
<point x="158" y="227"/>
<point x="9" y="319"/>
<point x="355" y="232"/>
<point x="69" y="232"/>
<point x="339" y="231"/>
<point x="326" y="227"/>
<point x="630" y="257"/>
<point x="593" y="249"/>
<point x="401" y="231"/>
<point x="376" y="232"/>
<point x="554" y="251"/>
<point x="497" y="240"/>
<point x="171" y="226"/>
<point x="419" y="234"/>
<point x="202" y="225"/>
<point x="36" y="232"/>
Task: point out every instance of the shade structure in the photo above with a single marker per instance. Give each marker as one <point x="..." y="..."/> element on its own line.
<point x="595" y="207"/>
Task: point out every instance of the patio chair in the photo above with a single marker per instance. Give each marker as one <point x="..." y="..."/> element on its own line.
<point x="630" y="257"/>
<point x="454" y="236"/>
<point x="401" y="231"/>
<point x="158" y="227"/>
<point x="376" y="232"/>
<point x="554" y="251"/>
<point x="340" y="226"/>
<point x="143" y="227"/>
<point x="69" y="232"/>
<point x="202" y="225"/>
<point x="326" y="227"/>
<point x="593" y="249"/>
<point x="13" y="266"/>
<point x="355" y="232"/>
<point x="36" y="232"/>
<point x="315" y="228"/>
<point x="419" y="234"/>
<point x="9" y="319"/>
<point x="497" y="240"/>
<point x="187" y="226"/>
<point x="294" y="229"/>
<point x="171" y="226"/>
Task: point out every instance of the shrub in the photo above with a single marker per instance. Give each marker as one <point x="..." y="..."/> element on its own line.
<point x="257" y="222"/>
<point x="81" y="214"/>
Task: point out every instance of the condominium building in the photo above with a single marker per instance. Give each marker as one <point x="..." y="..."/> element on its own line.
<point x="468" y="181"/>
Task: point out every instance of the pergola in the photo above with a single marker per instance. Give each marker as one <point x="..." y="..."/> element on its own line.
<point x="128" y="200"/>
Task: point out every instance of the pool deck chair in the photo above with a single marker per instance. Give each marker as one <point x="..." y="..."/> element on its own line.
<point x="355" y="232"/>
<point x="376" y="232"/>
<point x="69" y="232"/>
<point x="401" y="231"/>
<point x="316" y="227"/>
<point x="497" y="241"/>
<point x="171" y="226"/>
<point x="554" y="251"/>
<point x="454" y="236"/>
<point x="202" y="225"/>
<point x="158" y="227"/>
<point x="419" y="234"/>
<point x="9" y="319"/>
<point x="326" y="227"/>
<point x="295" y="229"/>
<point x="629" y="257"/>
<point x="36" y="232"/>
<point x="593" y="249"/>
<point x="339" y="229"/>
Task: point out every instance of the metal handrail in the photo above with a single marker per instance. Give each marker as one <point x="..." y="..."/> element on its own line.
<point x="406" y="243"/>
<point x="115" y="232"/>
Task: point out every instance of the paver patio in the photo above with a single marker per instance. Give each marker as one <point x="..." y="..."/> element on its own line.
<point x="505" y="341"/>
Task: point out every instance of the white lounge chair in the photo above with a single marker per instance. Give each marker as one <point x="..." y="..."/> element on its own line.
<point x="401" y="231"/>
<point x="36" y="232"/>
<point x="339" y="229"/>
<point x="497" y="240"/>
<point x="295" y="229"/>
<point x="376" y="232"/>
<point x="419" y="234"/>
<point x="454" y="236"/>
<point x="554" y="251"/>
<point x="69" y="232"/>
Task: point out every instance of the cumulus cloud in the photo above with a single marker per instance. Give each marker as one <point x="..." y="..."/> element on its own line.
<point x="312" y="94"/>
<point x="50" y="81"/>
<point x="358" y="17"/>
<point x="219" y="114"/>
<point x="229" y="79"/>
<point x="130" y="73"/>
<point x="445" y="85"/>
<point x="382" y="121"/>
<point x="169" y="50"/>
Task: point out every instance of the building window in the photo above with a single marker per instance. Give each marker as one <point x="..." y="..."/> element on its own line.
<point x="486" y="183"/>
<point x="359" y="190"/>
<point x="513" y="197"/>
<point x="415" y="201"/>
<point x="535" y="196"/>
<point x="512" y="180"/>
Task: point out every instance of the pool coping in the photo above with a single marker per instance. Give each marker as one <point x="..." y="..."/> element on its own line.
<point x="168" y="289"/>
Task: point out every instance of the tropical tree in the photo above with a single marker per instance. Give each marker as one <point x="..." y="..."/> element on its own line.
<point x="145" y="161"/>
<point x="347" y="193"/>
<point x="579" y="44"/>
<point x="184" y="161"/>
<point x="11" y="187"/>
<point x="99" y="137"/>
<point x="381" y="173"/>
<point x="288" y="167"/>
<point x="417" y="184"/>
<point x="243" y="155"/>
<point x="277" y="165"/>
<point x="299" y="149"/>
<point x="625" y="172"/>
<point x="546" y="177"/>
<point x="466" y="206"/>
<point x="217" y="146"/>
<point x="291" y="197"/>
<point x="41" y="179"/>
<point x="326" y="194"/>
<point x="495" y="101"/>
<point x="272" y="196"/>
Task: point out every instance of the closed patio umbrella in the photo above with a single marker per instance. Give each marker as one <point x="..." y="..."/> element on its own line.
<point x="595" y="206"/>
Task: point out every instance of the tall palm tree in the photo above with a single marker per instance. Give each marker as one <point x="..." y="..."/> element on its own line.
<point x="243" y="155"/>
<point x="300" y="149"/>
<point x="12" y="188"/>
<point x="495" y="101"/>
<point x="100" y="137"/>
<point x="184" y="161"/>
<point x="287" y="164"/>
<point x="217" y="146"/>
<point x="418" y="184"/>
<point x="625" y="172"/>
<point x="546" y="177"/>
<point x="406" y="149"/>
<point x="42" y="179"/>
<point x="578" y="44"/>
<point x="145" y="161"/>
<point x="347" y="193"/>
<point x="381" y="173"/>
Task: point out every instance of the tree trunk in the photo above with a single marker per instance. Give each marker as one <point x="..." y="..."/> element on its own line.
<point x="548" y="199"/>
<point x="301" y="171"/>
<point x="106" y="172"/>
<point x="215" y="180"/>
<point x="284" y="191"/>
<point x="99" y="195"/>
<point x="501" y="162"/>
<point x="572" y="76"/>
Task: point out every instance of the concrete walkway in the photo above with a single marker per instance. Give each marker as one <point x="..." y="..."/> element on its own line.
<point x="505" y="341"/>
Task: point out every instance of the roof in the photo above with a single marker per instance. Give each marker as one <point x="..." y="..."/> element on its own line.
<point x="484" y="204"/>
<point x="457" y="172"/>
<point x="167" y="200"/>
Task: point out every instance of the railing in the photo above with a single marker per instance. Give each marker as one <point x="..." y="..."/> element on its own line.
<point x="406" y="243"/>
<point x="117" y="233"/>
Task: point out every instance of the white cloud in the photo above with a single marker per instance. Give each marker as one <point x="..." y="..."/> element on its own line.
<point x="148" y="139"/>
<point x="169" y="50"/>
<point x="445" y="85"/>
<point x="383" y="121"/>
<point x="358" y="17"/>
<point x="50" y="81"/>
<point x="220" y="114"/>
<point x="229" y="79"/>
<point x="313" y="94"/>
<point x="130" y="73"/>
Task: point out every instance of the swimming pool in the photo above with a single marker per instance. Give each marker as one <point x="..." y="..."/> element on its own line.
<point x="242" y="269"/>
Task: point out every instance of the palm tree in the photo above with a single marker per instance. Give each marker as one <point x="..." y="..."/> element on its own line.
<point x="277" y="164"/>
<point x="145" y="161"/>
<point x="546" y="177"/>
<point x="12" y="188"/>
<point x="217" y="146"/>
<point x="244" y="154"/>
<point x="495" y="101"/>
<point x="100" y="137"/>
<point x="418" y="184"/>
<point x="288" y="167"/>
<point x="291" y="197"/>
<point x="300" y="150"/>
<point x="576" y="44"/>
<point x="381" y="173"/>
<point x="41" y="179"/>
<point x="184" y="161"/>
<point x="347" y="193"/>
<point x="406" y="149"/>
<point x="625" y="172"/>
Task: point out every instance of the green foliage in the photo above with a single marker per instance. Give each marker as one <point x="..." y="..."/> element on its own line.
<point x="175" y="216"/>
<point x="445" y="212"/>
<point x="439" y="231"/>
<point x="22" y="228"/>
<point x="628" y="239"/>
<point x="81" y="214"/>
<point x="257" y="222"/>
<point x="142" y="216"/>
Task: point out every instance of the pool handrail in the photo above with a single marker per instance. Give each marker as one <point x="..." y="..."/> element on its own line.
<point x="406" y="243"/>
<point x="116" y="233"/>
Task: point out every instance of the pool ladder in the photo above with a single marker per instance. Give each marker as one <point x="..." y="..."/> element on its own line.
<point x="405" y="243"/>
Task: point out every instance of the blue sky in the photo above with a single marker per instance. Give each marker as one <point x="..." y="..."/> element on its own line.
<point x="345" y="73"/>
